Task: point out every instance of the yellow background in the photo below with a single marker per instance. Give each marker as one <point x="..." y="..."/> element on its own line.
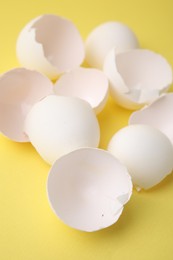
<point x="29" y="230"/>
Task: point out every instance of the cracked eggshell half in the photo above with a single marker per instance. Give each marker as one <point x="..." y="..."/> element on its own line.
<point x="146" y="152"/>
<point x="158" y="114"/>
<point x="50" y="44"/>
<point x="20" y="89"/>
<point x="87" y="189"/>
<point x="57" y="125"/>
<point x="88" y="84"/>
<point x="137" y="77"/>
<point x="105" y="37"/>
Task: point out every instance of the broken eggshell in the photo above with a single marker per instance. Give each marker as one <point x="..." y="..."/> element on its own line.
<point x="158" y="114"/>
<point x="137" y="77"/>
<point x="105" y="37"/>
<point x="50" y="44"/>
<point x="146" y="152"/>
<point x="57" y="125"/>
<point x="86" y="83"/>
<point x="87" y="189"/>
<point x="20" y="89"/>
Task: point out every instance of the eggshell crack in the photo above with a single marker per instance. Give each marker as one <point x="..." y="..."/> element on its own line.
<point x="20" y="89"/>
<point x="146" y="152"/>
<point x="137" y="77"/>
<point x="87" y="189"/>
<point x="50" y="44"/>
<point x="57" y="125"/>
<point x="88" y="84"/>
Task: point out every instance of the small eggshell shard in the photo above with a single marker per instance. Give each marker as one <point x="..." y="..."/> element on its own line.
<point x="50" y="44"/>
<point x="105" y="37"/>
<point x="85" y="83"/>
<point x="158" y="114"/>
<point x="137" y="77"/>
<point x="87" y="189"/>
<point x="57" y="125"/>
<point x="146" y="152"/>
<point x="20" y="89"/>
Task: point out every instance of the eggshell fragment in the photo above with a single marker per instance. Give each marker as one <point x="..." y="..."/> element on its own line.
<point x="88" y="188"/>
<point x="137" y="77"/>
<point x="57" y="125"/>
<point x="105" y="37"/>
<point x="146" y="152"/>
<point x="158" y="114"/>
<point x="20" y="89"/>
<point x="50" y="44"/>
<point x="88" y="84"/>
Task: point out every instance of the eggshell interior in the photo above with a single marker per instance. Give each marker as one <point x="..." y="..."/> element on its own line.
<point x="57" y="125"/>
<point x="105" y="37"/>
<point x="137" y="77"/>
<point x="146" y="152"/>
<point x="88" y="84"/>
<point x="158" y="114"/>
<point x="20" y="89"/>
<point x="50" y="44"/>
<point x="87" y="189"/>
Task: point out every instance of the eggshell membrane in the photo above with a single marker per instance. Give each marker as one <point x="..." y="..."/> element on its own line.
<point x="137" y="77"/>
<point x="57" y="125"/>
<point x="158" y="114"/>
<point x="50" y="44"/>
<point x="146" y="152"/>
<point x="88" y="84"/>
<point x="88" y="188"/>
<point x="105" y="37"/>
<point x="20" y="89"/>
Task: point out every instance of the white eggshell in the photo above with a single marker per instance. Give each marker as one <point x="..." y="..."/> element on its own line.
<point x="158" y="114"/>
<point x="50" y="44"/>
<point x="88" y="188"/>
<point x="88" y="84"/>
<point x="137" y="77"/>
<point x="57" y="125"/>
<point x="105" y="37"/>
<point x="20" y="89"/>
<point x="146" y="152"/>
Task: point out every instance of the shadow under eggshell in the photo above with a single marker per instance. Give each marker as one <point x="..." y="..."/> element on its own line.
<point x="20" y="89"/>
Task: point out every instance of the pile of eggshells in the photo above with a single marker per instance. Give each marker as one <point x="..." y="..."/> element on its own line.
<point x="53" y="101"/>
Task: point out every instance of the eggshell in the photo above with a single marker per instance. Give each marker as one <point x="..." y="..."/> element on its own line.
<point x="88" y="84"/>
<point x="88" y="188"/>
<point x="137" y="77"/>
<point x="146" y="152"/>
<point x="57" y="125"/>
<point x="50" y="44"/>
<point x="158" y="114"/>
<point x="105" y="37"/>
<point x="20" y="89"/>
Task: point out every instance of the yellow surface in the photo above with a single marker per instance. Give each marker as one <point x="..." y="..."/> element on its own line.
<point x="29" y="230"/>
